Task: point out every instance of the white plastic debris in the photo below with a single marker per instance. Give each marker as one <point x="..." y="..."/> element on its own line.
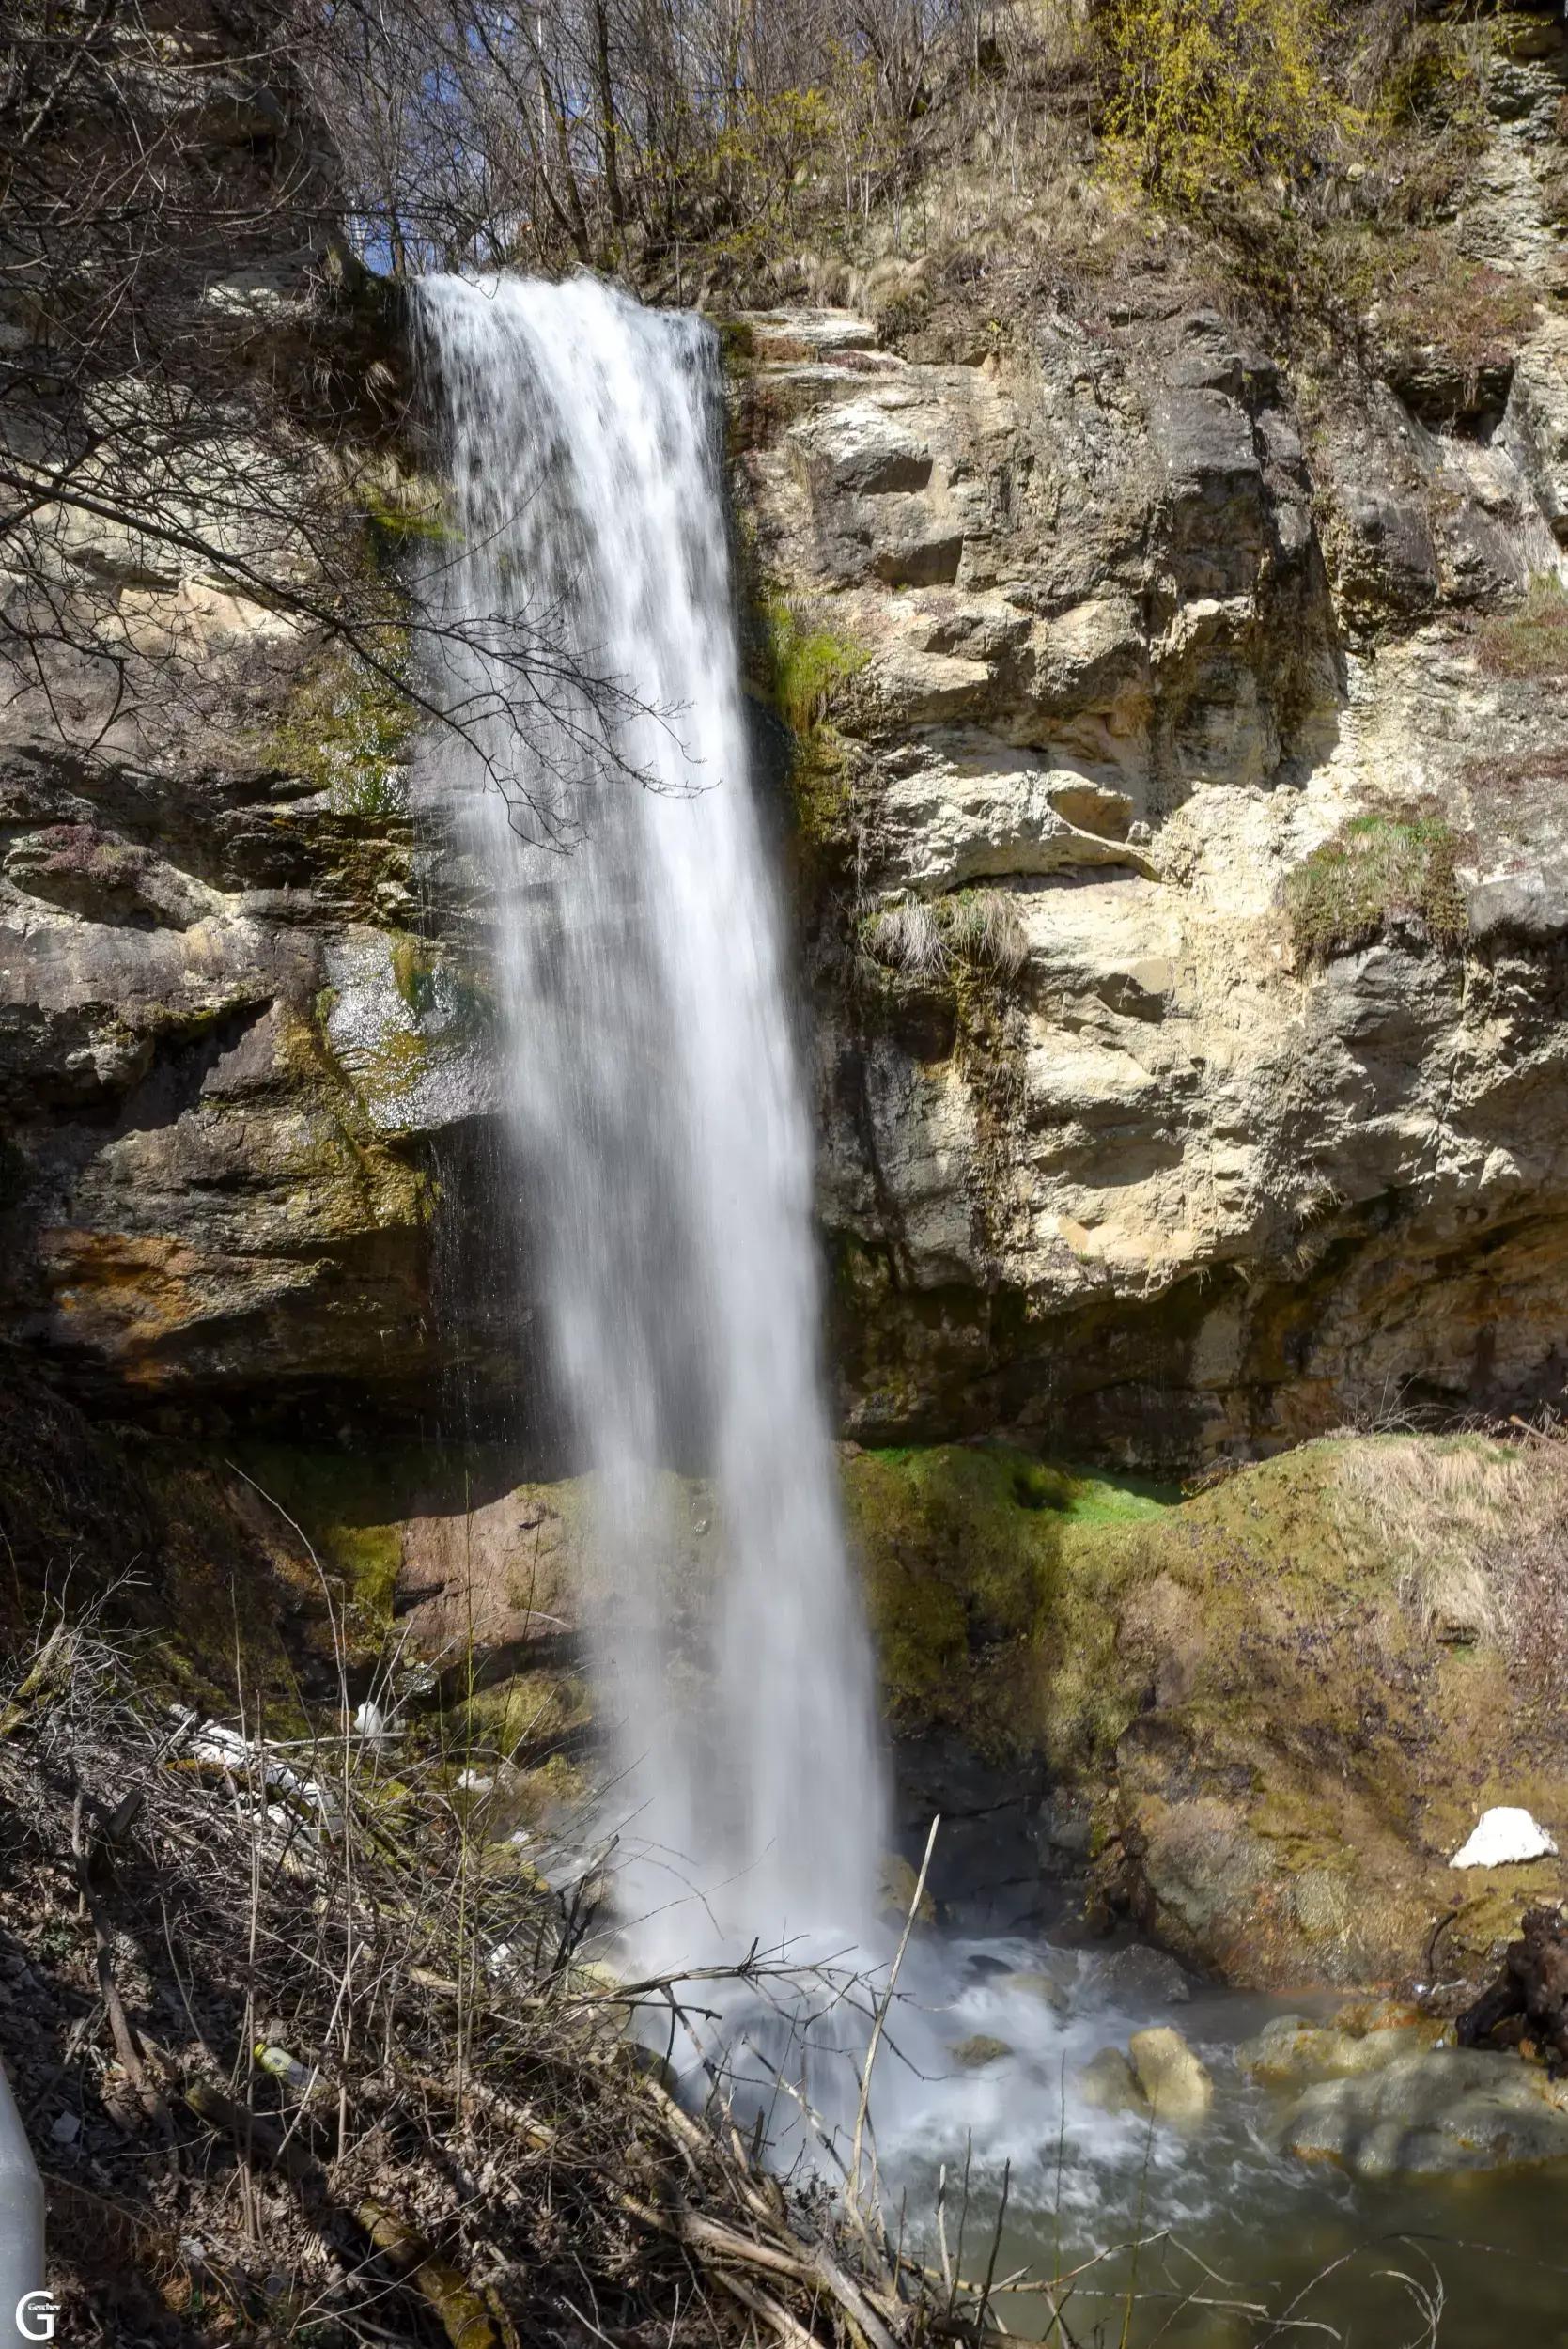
<point x="223" y="1747"/>
<point x="370" y="1724"/>
<point x="1502" y="1837"/>
<point x="474" y="1782"/>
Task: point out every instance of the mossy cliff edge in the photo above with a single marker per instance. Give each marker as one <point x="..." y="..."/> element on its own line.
<point x="1270" y="1710"/>
<point x="1283" y="1701"/>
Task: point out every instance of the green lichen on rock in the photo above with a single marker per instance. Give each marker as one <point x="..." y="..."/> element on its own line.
<point x="1379" y="871"/>
<point x="349" y="730"/>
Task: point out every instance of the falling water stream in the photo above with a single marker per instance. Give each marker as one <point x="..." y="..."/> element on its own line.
<point x="661" y="1150"/>
<point x="657" y="1119"/>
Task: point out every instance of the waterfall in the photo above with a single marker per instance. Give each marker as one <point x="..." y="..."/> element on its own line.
<point x="654" y="1104"/>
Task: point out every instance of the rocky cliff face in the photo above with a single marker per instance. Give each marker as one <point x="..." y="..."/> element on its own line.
<point x="216" y="1177"/>
<point x="1187" y="896"/>
<point x="1153" y="1123"/>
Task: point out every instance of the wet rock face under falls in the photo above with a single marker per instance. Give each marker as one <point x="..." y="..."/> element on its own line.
<point x="659" y="1136"/>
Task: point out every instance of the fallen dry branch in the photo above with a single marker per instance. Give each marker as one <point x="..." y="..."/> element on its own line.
<point x="467" y="2317"/>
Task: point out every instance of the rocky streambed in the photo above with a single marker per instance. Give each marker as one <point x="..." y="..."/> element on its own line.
<point x="1218" y="2156"/>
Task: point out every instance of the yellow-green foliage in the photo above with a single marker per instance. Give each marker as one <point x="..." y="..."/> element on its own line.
<point x="1531" y="641"/>
<point x="1380" y="869"/>
<point x="1215" y="93"/>
<point x="348" y="731"/>
<point x="803" y="666"/>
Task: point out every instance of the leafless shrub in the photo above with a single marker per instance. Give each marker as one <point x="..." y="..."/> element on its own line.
<point x="202" y="392"/>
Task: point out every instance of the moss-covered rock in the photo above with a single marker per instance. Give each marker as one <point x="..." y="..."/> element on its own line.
<point x="1279" y="1751"/>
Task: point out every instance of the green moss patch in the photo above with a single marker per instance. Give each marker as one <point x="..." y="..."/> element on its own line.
<point x="1380" y="870"/>
<point x="348" y="731"/>
<point x="1278" y="1745"/>
<point x="350" y="1506"/>
<point x="991" y="1580"/>
<point x="800" y="667"/>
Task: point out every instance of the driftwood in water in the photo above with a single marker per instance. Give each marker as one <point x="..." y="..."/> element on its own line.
<point x="1529" y="1996"/>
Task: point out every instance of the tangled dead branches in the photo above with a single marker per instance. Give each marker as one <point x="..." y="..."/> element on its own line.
<point x="306" y="2063"/>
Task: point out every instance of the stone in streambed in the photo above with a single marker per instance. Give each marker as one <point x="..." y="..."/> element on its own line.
<point x="1140" y="1973"/>
<point x="980" y="2049"/>
<point x="1043" y="1987"/>
<point x="1442" y="2112"/>
<point x="1109" y="2083"/>
<point x="896" y="1884"/>
<point x="1176" y="2084"/>
<point x="1290" y="2051"/>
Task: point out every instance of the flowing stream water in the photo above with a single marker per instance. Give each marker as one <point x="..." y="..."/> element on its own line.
<point x="661" y="1151"/>
<point x="659" y="1125"/>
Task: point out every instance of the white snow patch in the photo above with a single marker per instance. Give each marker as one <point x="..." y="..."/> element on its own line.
<point x="1503" y="1836"/>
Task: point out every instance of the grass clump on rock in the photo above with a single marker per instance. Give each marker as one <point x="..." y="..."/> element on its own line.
<point x="979" y="927"/>
<point x="806" y="663"/>
<point x="801" y="668"/>
<point x="1529" y="642"/>
<point x="1382" y="870"/>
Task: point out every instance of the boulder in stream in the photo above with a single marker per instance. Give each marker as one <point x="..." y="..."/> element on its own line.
<point x="1139" y="1971"/>
<point x="980" y="2049"/>
<point x="1109" y="2082"/>
<point x="1442" y="2112"/>
<point x="1176" y="2084"/>
<point x="1042" y="1985"/>
<point x="1290" y="2051"/>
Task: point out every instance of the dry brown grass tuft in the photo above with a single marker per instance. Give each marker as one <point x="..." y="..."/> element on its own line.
<point x="984" y="927"/>
<point x="910" y="939"/>
<point x="307" y="2058"/>
<point x="1478" y="1530"/>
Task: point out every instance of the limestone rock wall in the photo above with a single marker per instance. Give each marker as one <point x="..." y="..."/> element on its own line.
<point x="228" y="1066"/>
<point x="1130" y="624"/>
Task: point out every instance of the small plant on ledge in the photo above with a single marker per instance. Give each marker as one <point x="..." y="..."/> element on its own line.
<point x="1381" y="870"/>
<point x="1531" y="640"/>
